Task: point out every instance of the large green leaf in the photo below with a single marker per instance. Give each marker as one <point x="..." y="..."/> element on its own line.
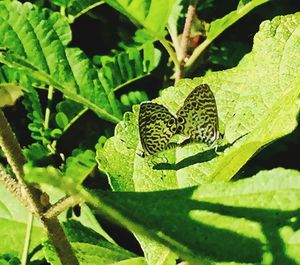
<point x="151" y="14"/>
<point x="257" y="103"/>
<point x="37" y="44"/>
<point x="253" y="221"/>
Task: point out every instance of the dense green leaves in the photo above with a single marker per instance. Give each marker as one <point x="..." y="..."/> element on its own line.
<point x="46" y="57"/>
<point x="77" y="168"/>
<point x="37" y="45"/>
<point x="128" y="66"/>
<point x="178" y="203"/>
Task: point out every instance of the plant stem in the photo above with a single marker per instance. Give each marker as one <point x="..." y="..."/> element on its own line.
<point x="12" y="186"/>
<point x="27" y="239"/>
<point x="15" y="158"/>
<point x="11" y="148"/>
<point x="185" y="38"/>
<point x="187" y="30"/>
<point x="63" y="11"/>
<point x="175" y="41"/>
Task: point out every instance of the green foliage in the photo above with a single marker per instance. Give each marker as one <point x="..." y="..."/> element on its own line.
<point x="209" y="220"/>
<point x="74" y="8"/>
<point x="13" y="220"/>
<point x="33" y="107"/>
<point x="7" y="259"/>
<point x="221" y="24"/>
<point x="77" y="168"/>
<point x="68" y="69"/>
<point x="46" y="57"/>
<point x="133" y="98"/>
<point x="201" y="215"/>
<point x="179" y="204"/>
<point x="249" y="120"/>
<point x="91" y="247"/>
<point x="151" y="15"/>
<point x="67" y="113"/>
<point x="127" y="66"/>
<point x="228" y="54"/>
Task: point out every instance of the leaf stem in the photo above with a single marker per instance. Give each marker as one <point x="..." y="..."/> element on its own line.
<point x="172" y="54"/>
<point x="48" y="109"/>
<point x="27" y="239"/>
<point x="71" y="19"/>
<point x="175" y="41"/>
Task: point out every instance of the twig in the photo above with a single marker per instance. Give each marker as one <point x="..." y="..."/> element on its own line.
<point x="185" y="38"/>
<point x="12" y="186"/>
<point x="15" y="158"/>
<point x="11" y="148"/>
<point x="187" y="30"/>
<point x="62" y="205"/>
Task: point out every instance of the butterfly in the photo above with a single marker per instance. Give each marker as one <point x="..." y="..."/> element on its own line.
<point x="198" y="117"/>
<point x="156" y="127"/>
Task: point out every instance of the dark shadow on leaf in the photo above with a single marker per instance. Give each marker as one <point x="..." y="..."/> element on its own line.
<point x="175" y="214"/>
<point x="191" y="160"/>
<point x="197" y="158"/>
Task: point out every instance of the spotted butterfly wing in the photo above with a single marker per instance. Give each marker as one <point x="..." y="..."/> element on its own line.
<point x="156" y="126"/>
<point x="198" y="117"/>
